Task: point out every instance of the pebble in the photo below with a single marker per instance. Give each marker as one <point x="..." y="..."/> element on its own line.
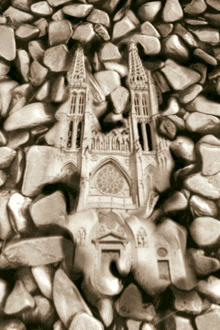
<point x="3" y="178"/>
<point x="43" y="276"/>
<point x="109" y="52"/>
<point x="12" y="324"/>
<point x="58" y="89"/>
<point x="147" y="326"/>
<point x="205" y="56"/>
<point x="149" y="11"/>
<point x="185" y="35"/>
<point x="213" y="19"/>
<point x="118" y="67"/>
<point x="202" y="123"/>
<point x="99" y="16"/>
<point x="209" y="152"/>
<point x="6" y="90"/>
<point x="7" y="43"/>
<point x="209" y="320"/>
<point x="202" y="264"/>
<point x="59" y="32"/>
<point x="122" y="28"/>
<point x="57" y="58"/>
<point x="3" y="139"/>
<point x="25" y="275"/>
<point x="23" y="63"/>
<point x="167" y="128"/>
<point x="56" y="3"/>
<point x="31" y="115"/>
<point x="120" y="98"/>
<point x="172" y="107"/>
<point x="108" y="81"/>
<point x="4" y="291"/>
<point x="178" y="76"/>
<point x="214" y="4"/>
<point x="5" y="224"/>
<point x="206" y="186"/>
<point x="102" y="31"/>
<point x="130" y="14"/>
<point x="38" y="73"/>
<point x="187" y="301"/>
<point x="17" y="167"/>
<point x="184" y="147"/>
<point x="182" y="173"/>
<point x="202" y="104"/>
<point x="165" y="29"/>
<point x="190" y="93"/>
<point x="41" y="8"/>
<point x="202" y="207"/>
<point x="205" y="231"/>
<point x="148" y="29"/>
<point x="151" y="45"/>
<point x="202" y="69"/>
<point x="106" y="311"/>
<point x="172" y="11"/>
<point x="24" y="5"/>
<point x="42" y="25"/>
<point x="177" y="322"/>
<point x="173" y="47"/>
<point x="17" y="17"/>
<point x="210" y="288"/>
<point x="195" y="7"/>
<point x="26" y="32"/>
<point x="161" y="82"/>
<point x="84" y="321"/>
<point x="77" y="10"/>
<point x="36" y="50"/>
<point x="133" y="324"/>
<point x="84" y="32"/>
<point x="42" y="94"/>
<point x="176" y="202"/>
<point x="206" y="34"/>
<point x="18" y="300"/>
<point x="4" y="67"/>
<point x="6" y="156"/>
<point x="58" y="325"/>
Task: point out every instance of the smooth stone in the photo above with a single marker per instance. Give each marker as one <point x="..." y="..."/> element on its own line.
<point x="190" y="93"/>
<point x="59" y="32"/>
<point x="100" y="108"/>
<point x="42" y="25"/>
<point x="38" y="73"/>
<point x="4" y="67"/>
<point x="83" y="321"/>
<point x="147" y="326"/>
<point x="172" y="46"/>
<point x="161" y="82"/>
<point x="202" y="264"/>
<point x="202" y="104"/>
<point x="23" y="63"/>
<point x="17" y="167"/>
<point x="106" y="311"/>
<point x="58" y="89"/>
<point x="151" y="45"/>
<point x="214" y="4"/>
<point x="41" y="8"/>
<point x="184" y="147"/>
<point x="130" y="14"/>
<point x="213" y="19"/>
<point x="122" y="28"/>
<point x="207" y="34"/>
<point x="102" y="31"/>
<point x="209" y="320"/>
<point x="185" y="35"/>
<point x="6" y="156"/>
<point x="187" y="302"/>
<point x="178" y="76"/>
<point x="29" y="116"/>
<point x="67" y="299"/>
<point x="184" y="172"/>
<point x="24" y="5"/>
<point x="77" y="10"/>
<point x="176" y="202"/>
<point x="172" y="107"/>
<point x="12" y="324"/>
<point x="206" y="186"/>
<point x="148" y="29"/>
<point x="38" y="130"/>
<point x="43" y="92"/>
<point x="149" y="10"/>
<point x="177" y="322"/>
<point x="172" y="11"/>
<point x="7" y="43"/>
<point x="205" y="231"/>
<point x="133" y="324"/>
<point x="50" y="209"/>
<point x="26" y="252"/>
<point x="113" y="118"/>
<point x="215" y="74"/>
<point x="195" y="7"/>
<point x="210" y="157"/>
<point x="109" y="52"/>
<point x="25" y="275"/>
<point x="202" y="123"/>
<point x="56" y="3"/>
<point x="43" y="276"/>
<point x="56" y="58"/>
<point x="108" y="81"/>
<point x="3" y="139"/>
<point x="6" y="92"/>
<point x="58" y="15"/>
<point x="4" y="292"/>
<point x="210" y="288"/>
<point x="26" y="32"/>
<point x="58" y="325"/>
<point x="99" y="16"/>
<point x="179" y="122"/>
<point x="5" y="224"/>
<point x="3" y="178"/>
<point x="165" y="29"/>
<point x="84" y="32"/>
<point x="18" y="207"/>
<point x="120" y="98"/>
<point x="205" y="56"/>
<point x="122" y="69"/>
<point x="134" y="308"/>
<point x="24" y="90"/>
<point x="17" y="17"/>
<point x="201" y="22"/>
<point x="202" y="207"/>
<point x="18" y="300"/>
<point x="167" y="128"/>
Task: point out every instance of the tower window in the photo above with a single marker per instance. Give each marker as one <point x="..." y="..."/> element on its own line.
<point x="70" y="135"/>
<point x="81" y="103"/>
<point x="150" y="145"/>
<point x="144" y="104"/>
<point x="137" y="104"/>
<point x="78" y="137"/>
<point x="73" y="103"/>
<point x="141" y="140"/>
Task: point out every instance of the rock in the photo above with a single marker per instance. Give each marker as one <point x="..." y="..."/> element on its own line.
<point x="172" y="107"/>
<point x="49" y="209"/>
<point x="172" y="11"/>
<point x="202" y="69"/>
<point x="190" y="93"/>
<point x="151" y="45"/>
<point x="58" y="89"/>
<point x="42" y="25"/>
<point x="59" y="32"/>
<point x="202" y="264"/>
<point x="182" y="173"/>
<point x="213" y="19"/>
<point x="6" y="92"/>
<point x="130" y="14"/>
<point x="106" y="311"/>
<point x="102" y="31"/>
<point x="109" y="52"/>
<point x="149" y="10"/>
<point x="202" y="123"/>
<point x="23" y="63"/>
<point x="38" y="73"/>
<point x="202" y="104"/>
<point x="177" y="322"/>
<point x="195" y="7"/>
<point x="84" y="321"/>
<point x="214" y="4"/>
<point x="26" y="252"/>
<point x="17" y="167"/>
<point x="84" y="32"/>
<point x="25" y="275"/>
<point x="148" y="29"/>
<point x="118" y="67"/>
<point x="110" y="5"/>
<point x="17" y="17"/>
<point x="134" y="308"/>
<point x="184" y="147"/>
<point x="24" y="5"/>
<point x="14" y="324"/>
<point x="187" y="302"/>
<point x="99" y="16"/>
<point x="185" y="35"/>
<point x="4" y="291"/>
<point x="210" y="288"/>
<point x="120" y="98"/>
<point x="209" y="150"/>
<point x="133" y="324"/>
<point x="147" y="326"/>
<point x="6" y="156"/>
<point x="216" y="52"/>
<point x="205" y="56"/>
<point x="3" y="139"/>
<point x="43" y="276"/>
<point x="3" y="178"/>
<point x="207" y="34"/>
<point x="161" y="82"/>
<point x="165" y="29"/>
<point x="27" y="32"/>
<point x="58" y="15"/>
<point x="67" y="299"/>
<point x="31" y="115"/>
<point x="4" y="67"/>
<point x="205" y="231"/>
<point x="173" y="47"/>
<point x="211" y="319"/>
<point x="108" y="81"/>
<point x="77" y="10"/>
<point x="42" y="94"/>
<point x="7" y="43"/>
<point x="5" y="224"/>
<point x="206" y="186"/>
<point x="57" y="58"/>
<point x="56" y="3"/>
<point x="122" y="28"/>
<point x="176" y="202"/>
<point x="196" y="21"/>
<point x="202" y="207"/>
<point x="18" y="300"/>
<point x="167" y="128"/>
<point x="178" y="76"/>
<point x="41" y="8"/>
<point x="113" y="118"/>
<point x="58" y="325"/>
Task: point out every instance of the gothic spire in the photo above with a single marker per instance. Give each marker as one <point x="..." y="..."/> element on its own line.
<point x="137" y="77"/>
<point x="76" y="76"/>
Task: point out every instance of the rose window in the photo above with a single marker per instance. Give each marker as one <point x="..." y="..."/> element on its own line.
<point x="110" y="181"/>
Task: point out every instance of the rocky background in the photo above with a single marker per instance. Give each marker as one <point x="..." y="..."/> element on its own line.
<point x="180" y="43"/>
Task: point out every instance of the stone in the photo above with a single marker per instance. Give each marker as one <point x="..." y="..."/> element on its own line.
<point x="172" y="107"/>
<point x="190" y="93"/>
<point x="213" y="19"/>
<point x="173" y="47"/>
<point x="17" y="167"/>
<point x="216" y="51"/>
<point x="56" y="3"/>
<point x="25" y="275"/>
<point x="205" y="56"/>
<point x="6" y="156"/>
<point x="50" y="209"/>
<point x="202" y="207"/>
<point x="206" y="34"/>
<point x="202" y="264"/>
<point x="3" y="178"/>
<point x="178" y="76"/>
<point x="148" y="29"/>
<point x="109" y="52"/>
<point x="176" y="202"/>
<point x="26" y="32"/>
<point x="67" y="299"/>
<point x="59" y="32"/>
<point x="187" y="302"/>
<point x="147" y="326"/>
<point x="6" y="92"/>
<point x="110" y="5"/>
<point x="195" y="7"/>
<point x="23" y="63"/>
<point x="165" y="29"/>
<point x="43" y="276"/>
<point x="31" y="115"/>
<point x="108" y="81"/>
<point x="43" y="92"/>
<point x="4" y="292"/>
<point x="151" y="45"/>
<point x="118" y="67"/>
<point x="205" y="231"/>
<point x="204" y="105"/>
<point x="177" y="322"/>
<point x="172" y="11"/>
<point x="149" y="11"/>
<point x="184" y="148"/>
<point x="210" y="288"/>
<point x="83" y="321"/>
<point x="42" y="25"/>
<point x="185" y="35"/>
<point x="56" y="58"/>
<point x="3" y="139"/>
<point x="24" y="5"/>
<point x="99" y="16"/>
<point x="134" y="308"/>
<point x="209" y="320"/>
<point x="130" y="14"/>
<point x="161" y="82"/>
<point x="133" y="324"/>
<point x="18" y="207"/>
<point x="41" y="8"/>
<point x="214" y="4"/>
<point x="122" y="28"/>
<point x="167" y="128"/>
<point x="5" y="224"/>
<point x="17" y="17"/>
<point x="18" y="300"/>
<point x="106" y="311"/>
<point x="113" y="118"/>
<point x="196" y="21"/>
<point x="77" y="10"/>
<point x="58" y="325"/>
<point x="4" y="67"/>
<point x="184" y="172"/>
<point x="202" y="123"/>
<point x="7" y="43"/>
<point x="120" y="98"/>
<point x="102" y="31"/>
<point x="84" y="33"/>
<point x="58" y="90"/>
<point x="58" y="15"/>
<point x="208" y="148"/>
<point x="38" y="73"/>
<point x="26" y="252"/>
<point x="14" y="324"/>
